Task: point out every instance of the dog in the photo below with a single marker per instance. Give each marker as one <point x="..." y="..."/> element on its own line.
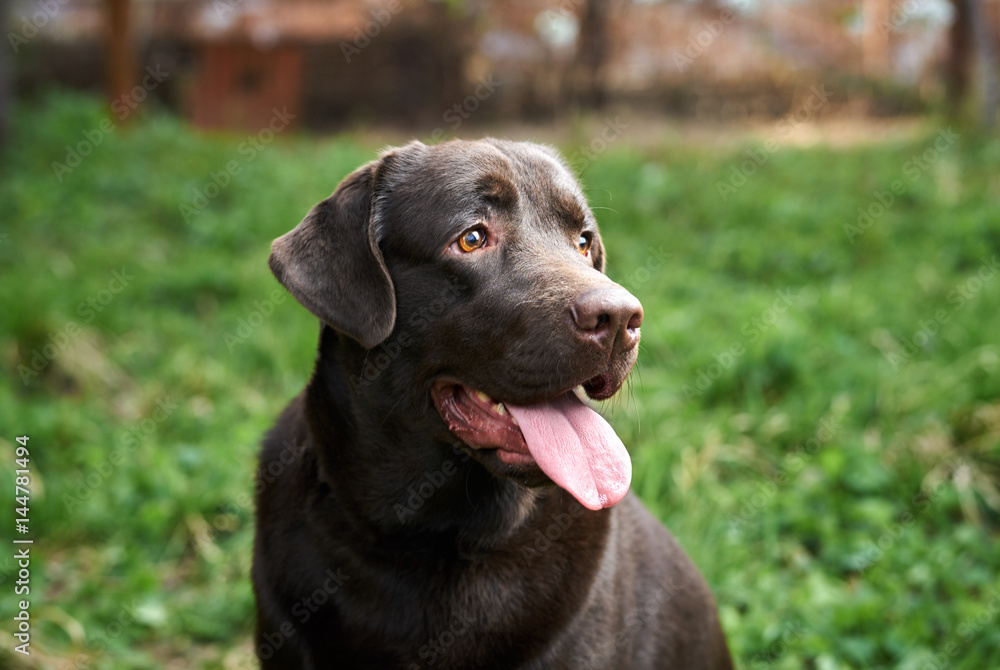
<point x="439" y="495"/>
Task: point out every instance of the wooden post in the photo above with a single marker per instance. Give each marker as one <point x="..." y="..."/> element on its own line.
<point x="593" y="51"/>
<point x="6" y="82"/>
<point x="120" y="55"/>
<point x="876" y="42"/>
<point x="986" y="62"/>
<point x="959" y="64"/>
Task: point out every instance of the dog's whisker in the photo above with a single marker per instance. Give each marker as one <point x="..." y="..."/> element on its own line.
<point x="635" y="405"/>
<point x="468" y="494"/>
<point x="391" y="410"/>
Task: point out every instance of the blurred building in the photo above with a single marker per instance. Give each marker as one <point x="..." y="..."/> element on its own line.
<point x="229" y="63"/>
<point x="335" y="62"/>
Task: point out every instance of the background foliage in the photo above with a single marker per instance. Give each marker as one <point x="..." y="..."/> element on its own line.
<point x="823" y="442"/>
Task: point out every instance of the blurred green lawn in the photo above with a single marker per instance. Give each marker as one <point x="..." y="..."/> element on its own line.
<point x="817" y="418"/>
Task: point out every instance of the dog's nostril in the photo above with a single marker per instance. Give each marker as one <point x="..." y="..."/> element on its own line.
<point x="607" y="315"/>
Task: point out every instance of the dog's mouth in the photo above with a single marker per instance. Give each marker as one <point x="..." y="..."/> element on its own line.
<point x="570" y="442"/>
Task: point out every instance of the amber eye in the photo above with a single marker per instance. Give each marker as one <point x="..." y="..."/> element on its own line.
<point x="583" y="244"/>
<point x="472" y="239"/>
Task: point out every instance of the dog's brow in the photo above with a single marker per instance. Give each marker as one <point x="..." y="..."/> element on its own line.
<point x="564" y="201"/>
<point x="497" y="188"/>
<point x="567" y="210"/>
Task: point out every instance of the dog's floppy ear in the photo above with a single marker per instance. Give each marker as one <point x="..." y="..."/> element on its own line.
<point x="331" y="262"/>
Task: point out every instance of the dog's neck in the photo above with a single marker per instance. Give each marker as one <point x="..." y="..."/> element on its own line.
<point x="383" y="472"/>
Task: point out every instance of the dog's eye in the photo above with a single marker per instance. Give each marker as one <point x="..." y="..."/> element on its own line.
<point x="583" y="244"/>
<point x="472" y="239"/>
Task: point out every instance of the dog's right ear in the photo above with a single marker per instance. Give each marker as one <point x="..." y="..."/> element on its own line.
<point x="331" y="262"/>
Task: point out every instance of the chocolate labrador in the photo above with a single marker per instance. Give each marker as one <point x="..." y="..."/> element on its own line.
<point x="440" y="495"/>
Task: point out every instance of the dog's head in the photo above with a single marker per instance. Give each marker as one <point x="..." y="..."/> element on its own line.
<point x="481" y="265"/>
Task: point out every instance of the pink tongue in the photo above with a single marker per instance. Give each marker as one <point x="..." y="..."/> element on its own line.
<point x="577" y="449"/>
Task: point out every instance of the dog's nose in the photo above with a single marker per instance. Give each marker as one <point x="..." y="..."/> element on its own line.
<point x="608" y="317"/>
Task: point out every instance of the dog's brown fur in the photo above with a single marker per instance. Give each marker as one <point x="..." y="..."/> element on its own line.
<point x="384" y="542"/>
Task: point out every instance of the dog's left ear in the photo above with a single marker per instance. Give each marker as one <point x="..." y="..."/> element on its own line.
<point x="331" y="262"/>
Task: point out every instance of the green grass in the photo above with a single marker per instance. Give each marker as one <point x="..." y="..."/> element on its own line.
<point x="836" y="485"/>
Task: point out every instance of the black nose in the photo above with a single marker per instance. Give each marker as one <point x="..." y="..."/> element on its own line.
<point x="608" y="317"/>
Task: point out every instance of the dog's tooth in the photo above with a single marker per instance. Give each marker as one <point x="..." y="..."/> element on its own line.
<point x="485" y="398"/>
<point x="500" y="409"/>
